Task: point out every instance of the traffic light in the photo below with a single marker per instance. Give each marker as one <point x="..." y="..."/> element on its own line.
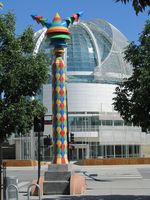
<point x="39" y="124"/>
<point x="48" y="141"/>
<point x="72" y="137"/>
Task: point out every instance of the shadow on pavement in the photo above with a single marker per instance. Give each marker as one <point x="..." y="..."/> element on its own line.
<point x="101" y="197"/>
<point x="92" y="177"/>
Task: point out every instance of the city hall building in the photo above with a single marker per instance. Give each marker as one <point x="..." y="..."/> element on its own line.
<point x="95" y="64"/>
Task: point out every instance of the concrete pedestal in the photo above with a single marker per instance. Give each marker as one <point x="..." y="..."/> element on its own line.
<point x="57" y="180"/>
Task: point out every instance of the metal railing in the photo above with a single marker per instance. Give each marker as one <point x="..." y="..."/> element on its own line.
<point x="29" y="188"/>
<point x="17" y="191"/>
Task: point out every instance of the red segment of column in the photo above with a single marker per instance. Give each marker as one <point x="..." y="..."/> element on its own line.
<point x="63" y="160"/>
<point x="62" y="106"/>
<point x="61" y="79"/>
<point x="61" y="92"/>
<point x="61" y="64"/>
<point x="62" y="132"/>
<point x="62" y="119"/>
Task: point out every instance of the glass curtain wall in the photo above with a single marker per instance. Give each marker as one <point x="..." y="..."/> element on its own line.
<point x="117" y="151"/>
<point x="83" y="123"/>
<point x="84" y="147"/>
<point x="96" y="150"/>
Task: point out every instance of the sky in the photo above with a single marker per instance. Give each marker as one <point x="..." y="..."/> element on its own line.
<point x="121" y="16"/>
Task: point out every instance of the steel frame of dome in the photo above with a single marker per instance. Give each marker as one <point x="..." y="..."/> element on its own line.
<point x="104" y="71"/>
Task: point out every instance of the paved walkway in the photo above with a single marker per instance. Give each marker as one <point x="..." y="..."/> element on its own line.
<point x="124" y="182"/>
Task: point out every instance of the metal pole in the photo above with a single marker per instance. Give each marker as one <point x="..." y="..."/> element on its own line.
<point x="4" y="180"/>
<point x="0" y="169"/>
<point x="0" y="158"/>
<point x="39" y="157"/>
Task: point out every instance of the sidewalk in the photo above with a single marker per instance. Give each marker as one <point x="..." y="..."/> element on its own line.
<point x="124" y="182"/>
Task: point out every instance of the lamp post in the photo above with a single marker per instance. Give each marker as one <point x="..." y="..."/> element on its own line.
<point x="39" y="129"/>
<point x="1" y="139"/>
<point x="0" y="169"/>
<point x="58" y="34"/>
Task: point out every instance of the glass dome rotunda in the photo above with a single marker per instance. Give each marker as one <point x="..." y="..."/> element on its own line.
<point x="94" y="53"/>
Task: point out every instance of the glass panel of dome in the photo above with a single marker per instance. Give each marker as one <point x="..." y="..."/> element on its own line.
<point x="114" y="67"/>
<point x="81" y="56"/>
<point x="103" y="43"/>
<point x="104" y="26"/>
<point x="89" y="42"/>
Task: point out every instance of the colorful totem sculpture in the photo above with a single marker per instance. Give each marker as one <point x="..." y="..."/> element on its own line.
<point x="58" y="33"/>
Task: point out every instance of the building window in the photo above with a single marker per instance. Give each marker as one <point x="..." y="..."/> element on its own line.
<point x="118" y="122"/>
<point x="106" y="122"/>
<point x="83" y="123"/>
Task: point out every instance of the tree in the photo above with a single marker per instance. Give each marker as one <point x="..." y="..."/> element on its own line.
<point x="21" y="76"/>
<point x="138" y="5"/>
<point x="133" y="95"/>
<point x="1" y="5"/>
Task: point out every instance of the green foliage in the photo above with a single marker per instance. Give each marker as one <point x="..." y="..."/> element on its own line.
<point x="133" y="95"/>
<point x="1" y="5"/>
<point x="21" y="76"/>
<point x="138" y="5"/>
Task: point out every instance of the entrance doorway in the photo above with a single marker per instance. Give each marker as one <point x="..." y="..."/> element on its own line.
<point x="78" y="151"/>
